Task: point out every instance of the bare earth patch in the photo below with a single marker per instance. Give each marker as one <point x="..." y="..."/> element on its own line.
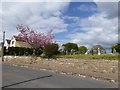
<point x="96" y="69"/>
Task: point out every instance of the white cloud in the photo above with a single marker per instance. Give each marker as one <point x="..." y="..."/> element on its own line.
<point x="45" y="24"/>
<point x="42" y="16"/>
<point x="36" y="0"/>
<point x="109" y="8"/>
<point x="100" y="28"/>
<point x="59" y="0"/>
<point x="106" y="0"/>
<point x="96" y="29"/>
<point x="100" y="21"/>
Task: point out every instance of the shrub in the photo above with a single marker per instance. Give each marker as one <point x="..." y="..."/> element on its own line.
<point x="50" y="50"/>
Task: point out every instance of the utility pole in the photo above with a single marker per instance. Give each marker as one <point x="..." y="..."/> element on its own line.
<point x="3" y="45"/>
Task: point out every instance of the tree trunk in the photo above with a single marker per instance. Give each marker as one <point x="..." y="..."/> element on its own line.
<point x="34" y="57"/>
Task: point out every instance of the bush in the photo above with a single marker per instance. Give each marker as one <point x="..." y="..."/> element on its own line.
<point x="50" y="50"/>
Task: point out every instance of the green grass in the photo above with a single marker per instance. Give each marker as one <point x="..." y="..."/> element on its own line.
<point x="105" y="56"/>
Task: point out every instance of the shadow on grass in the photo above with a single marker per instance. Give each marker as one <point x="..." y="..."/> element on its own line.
<point x="26" y="81"/>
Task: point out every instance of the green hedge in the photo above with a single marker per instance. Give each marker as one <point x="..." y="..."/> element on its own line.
<point x="19" y="51"/>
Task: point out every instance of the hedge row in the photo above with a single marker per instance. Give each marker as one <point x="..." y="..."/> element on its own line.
<point x="19" y="51"/>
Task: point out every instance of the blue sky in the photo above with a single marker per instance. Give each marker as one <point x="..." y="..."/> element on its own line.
<point x="84" y="23"/>
<point x="74" y="10"/>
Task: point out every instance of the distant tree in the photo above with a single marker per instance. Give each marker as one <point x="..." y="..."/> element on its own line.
<point x="116" y="48"/>
<point x="70" y="46"/>
<point x="82" y="49"/>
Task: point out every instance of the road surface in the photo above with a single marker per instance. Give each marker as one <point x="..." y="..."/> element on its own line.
<point x="20" y="77"/>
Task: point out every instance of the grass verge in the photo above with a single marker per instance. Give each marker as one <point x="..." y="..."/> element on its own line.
<point x="103" y="56"/>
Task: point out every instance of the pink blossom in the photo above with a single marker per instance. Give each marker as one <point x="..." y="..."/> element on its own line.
<point x="34" y="38"/>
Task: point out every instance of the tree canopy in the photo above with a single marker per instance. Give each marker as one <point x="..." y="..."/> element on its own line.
<point x="116" y="48"/>
<point x="69" y="46"/>
<point x="82" y="49"/>
<point x="34" y="38"/>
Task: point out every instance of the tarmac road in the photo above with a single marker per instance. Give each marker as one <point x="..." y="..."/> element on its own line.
<point x="20" y="77"/>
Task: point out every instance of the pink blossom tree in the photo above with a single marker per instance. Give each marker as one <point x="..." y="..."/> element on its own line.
<point x="36" y="39"/>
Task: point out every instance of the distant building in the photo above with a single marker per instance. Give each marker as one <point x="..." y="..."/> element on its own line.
<point x="97" y="49"/>
<point x="17" y="42"/>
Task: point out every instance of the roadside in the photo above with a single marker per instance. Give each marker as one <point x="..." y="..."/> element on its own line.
<point x="21" y="77"/>
<point x="96" y="69"/>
